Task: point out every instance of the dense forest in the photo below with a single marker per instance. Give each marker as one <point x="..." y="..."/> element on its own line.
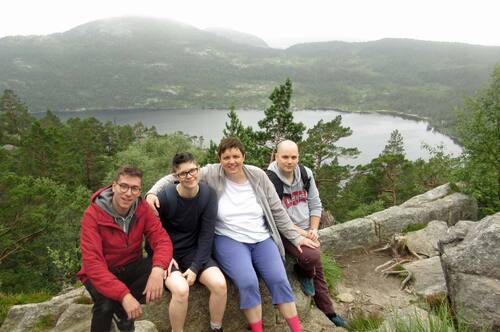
<point x="145" y="63"/>
<point x="49" y="168"/>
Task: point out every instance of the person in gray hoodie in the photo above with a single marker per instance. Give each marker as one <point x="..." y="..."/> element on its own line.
<point x="303" y="205"/>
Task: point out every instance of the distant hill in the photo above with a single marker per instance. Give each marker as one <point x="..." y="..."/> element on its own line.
<point x="136" y="62"/>
<point x="238" y="37"/>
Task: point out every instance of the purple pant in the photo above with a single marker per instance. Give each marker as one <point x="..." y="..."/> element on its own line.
<point x="310" y="262"/>
<point x="242" y="261"/>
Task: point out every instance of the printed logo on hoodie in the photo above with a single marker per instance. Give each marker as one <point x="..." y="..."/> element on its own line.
<point x="294" y="198"/>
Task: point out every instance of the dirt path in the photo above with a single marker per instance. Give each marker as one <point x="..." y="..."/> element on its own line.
<point x="372" y="292"/>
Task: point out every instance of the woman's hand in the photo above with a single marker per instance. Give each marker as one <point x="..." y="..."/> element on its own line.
<point x="190" y="277"/>
<point x="308" y="243"/>
<point x="153" y="202"/>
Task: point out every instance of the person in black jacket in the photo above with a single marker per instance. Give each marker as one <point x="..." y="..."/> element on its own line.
<point x="188" y="210"/>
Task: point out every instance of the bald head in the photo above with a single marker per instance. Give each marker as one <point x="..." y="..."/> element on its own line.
<point x="287" y="157"/>
<point x="287" y="145"/>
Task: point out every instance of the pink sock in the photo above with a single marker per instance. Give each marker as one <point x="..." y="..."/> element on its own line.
<point x="257" y="326"/>
<point x="294" y="323"/>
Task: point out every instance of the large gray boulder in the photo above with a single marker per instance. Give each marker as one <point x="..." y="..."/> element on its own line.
<point x="472" y="271"/>
<point x="428" y="278"/>
<point x="24" y="317"/>
<point x="198" y="316"/>
<point x="74" y="317"/>
<point x="441" y="203"/>
<point x="424" y="242"/>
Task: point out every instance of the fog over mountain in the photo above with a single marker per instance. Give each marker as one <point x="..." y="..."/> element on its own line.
<point x="238" y="37"/>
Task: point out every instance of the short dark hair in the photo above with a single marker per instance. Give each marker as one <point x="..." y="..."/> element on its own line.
<point x="128" y="170"/>
<point x="181" y="158"/>
<point x="230" y="143"/>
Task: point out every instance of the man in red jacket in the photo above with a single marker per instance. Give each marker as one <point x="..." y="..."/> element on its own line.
<point x="113" y="268"/>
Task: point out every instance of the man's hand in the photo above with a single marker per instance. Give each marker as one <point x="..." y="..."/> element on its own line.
<point x="308" y="243"/>
<point x="131" y="306"/>
<point x="190" y="277"/>
<point x="154" y="286"/>
<point x="153" y="202"/>
<point x="173" y="262"/>
<point x="313" y="234"/>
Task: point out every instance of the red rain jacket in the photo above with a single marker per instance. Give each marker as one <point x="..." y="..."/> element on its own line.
<point x="105" y="246"/>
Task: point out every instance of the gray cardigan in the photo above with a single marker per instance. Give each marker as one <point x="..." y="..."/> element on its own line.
<point x="277" y="220"/>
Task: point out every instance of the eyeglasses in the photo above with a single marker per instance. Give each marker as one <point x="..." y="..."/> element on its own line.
<point x="192" y="172"/>
<point x="125" y="187"/>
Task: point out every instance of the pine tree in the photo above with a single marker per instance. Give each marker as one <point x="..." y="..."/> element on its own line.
<point x="14" y="118"/>
<point x="278" y="123"/>
<point x="321" y="139"/>
<point x="479" y="132"/>
<point x="389" y="167"/>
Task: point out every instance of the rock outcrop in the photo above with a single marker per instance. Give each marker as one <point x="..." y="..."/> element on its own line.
<point x="471" y="264"/>
<point x="69" y="315"/>
<point x="440" y="203"/>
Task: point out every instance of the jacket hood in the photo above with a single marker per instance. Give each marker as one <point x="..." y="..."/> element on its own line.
<point x="103" y="198"/>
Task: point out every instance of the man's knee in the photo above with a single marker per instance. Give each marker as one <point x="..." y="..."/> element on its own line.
<point x="309" y="257"/>
<point x="219" y="286"/>
<point x="179" y="288"/>
<point x="181" y="293"/>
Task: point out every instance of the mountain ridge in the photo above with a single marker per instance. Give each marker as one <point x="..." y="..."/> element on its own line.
<point x="137" y="62"/>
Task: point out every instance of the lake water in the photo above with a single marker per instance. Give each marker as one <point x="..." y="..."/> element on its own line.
<point x="370" y="130"/>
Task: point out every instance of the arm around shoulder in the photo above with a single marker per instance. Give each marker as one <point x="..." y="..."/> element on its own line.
<point x="161" y="184"/>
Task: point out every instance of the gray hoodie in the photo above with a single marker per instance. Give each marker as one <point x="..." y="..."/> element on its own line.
<point x="298" y="203"/>
<point x="105" y="201"/>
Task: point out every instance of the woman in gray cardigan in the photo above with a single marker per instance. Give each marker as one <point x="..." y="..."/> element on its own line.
<point x="247" y="240"/>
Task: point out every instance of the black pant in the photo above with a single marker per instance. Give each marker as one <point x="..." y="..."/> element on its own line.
<point x="135" y="275"/>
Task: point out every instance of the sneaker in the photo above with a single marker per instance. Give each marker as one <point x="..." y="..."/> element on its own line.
<point x="338" y="321"/>
<point x="217" y="330"/>
<point x="306" y="283"/>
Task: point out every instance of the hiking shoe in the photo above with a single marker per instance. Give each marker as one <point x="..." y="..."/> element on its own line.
<point x="306" y="283"/>
<point x="338" y="321"/>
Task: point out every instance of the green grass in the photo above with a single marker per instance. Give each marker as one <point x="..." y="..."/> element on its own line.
<point x="8" y="300"/>
<point x="331" y="270"/>
<point x="44" y="323"/>
<point x="362" y="321"/>
<point x="83" y="300"/>
<point x="414" y="227"/>
<point x="440" y="319"/>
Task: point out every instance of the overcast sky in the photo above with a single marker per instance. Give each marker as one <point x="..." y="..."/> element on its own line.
<point x="279" y="22"/>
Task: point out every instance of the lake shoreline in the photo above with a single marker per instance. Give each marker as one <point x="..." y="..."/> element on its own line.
<point x="414" y="117"/>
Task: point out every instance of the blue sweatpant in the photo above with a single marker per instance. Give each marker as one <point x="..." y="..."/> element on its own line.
<point x="242" y="261"/>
